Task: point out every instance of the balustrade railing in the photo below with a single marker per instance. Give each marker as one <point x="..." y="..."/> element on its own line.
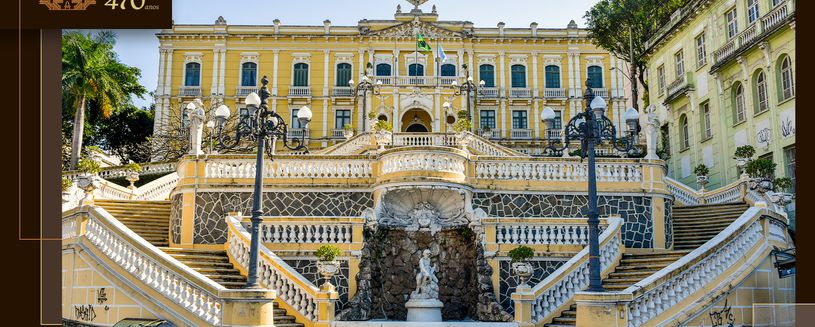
<point x="189" y="91"/>
<point x="436" y="161"/>
<point x="386" y="80"/>
<point x="342" y="91"/>
<point x="121" y="171"/>
<point x="556" y="292"/>
<point x="491" y="149"/>
<point x="520" y="133"/>
<point x="299" y="133"/>
<point x="290" y="168"/>
<point x="308" y="230"/>
<point x="754" y="32"/>
<point x="337" y="133"/>
<point x="423" y="139"/>
<point x="680" y="83"/>
<point x="488" y="92"/>
<point x="352" y="146"/>
<point x="683" y="194"/>
<point x="300" y="296"/>
<point x="554" y="93"/>
<point x="557" y="170"/>
<point x="243" y="91"/>
<point x="520" y="92"/>
<point x="601" y="92"/>
<point x="299" y="91"/>
<point x="532" y="233"/>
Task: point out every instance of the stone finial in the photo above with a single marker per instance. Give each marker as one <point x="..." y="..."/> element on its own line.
<point x="220" y="21"/>
<point x="501" y="28"/>
<point x="572" y="24"/>
<point x="534" y="28"/>
<point x="276" y="23"/>
<point x="327" y="24"/>
<point x="398" y="9"/>
<point x="434" y="10"/>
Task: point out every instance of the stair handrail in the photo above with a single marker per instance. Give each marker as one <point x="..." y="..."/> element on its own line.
<point x="541" y="303"/>
<point x="492" y="149"/>
<point x="121" y="171"/>
<point x="158" y="189"/>
<point x="350" y="146"/>
<point x="198" y="295"/>
<point x="308" y="303"/>
<point x="651" y="297"/>
<point x="730" y="193"/>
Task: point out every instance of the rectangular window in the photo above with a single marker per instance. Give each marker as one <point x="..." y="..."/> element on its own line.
<point x="558" y="120"/>
<point x="679" y="59"/>
<point x="789" y="164"/>
<point x="519" y="120"/>
<point x="752" y="11"/>
<point x="661" y="78"/>
<point x="768" y="156"/>
<point x="295" y="123"/>
<point x="342" y="118"/>
<point x="777" y="2"/>
<point x="732" y="24"/>
<point x="487" y="119"/>
<point x="706" y="126"/>
<point x="701" y="52"/>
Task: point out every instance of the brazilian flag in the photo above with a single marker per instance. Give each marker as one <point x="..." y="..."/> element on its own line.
<point x="421" y="44"/>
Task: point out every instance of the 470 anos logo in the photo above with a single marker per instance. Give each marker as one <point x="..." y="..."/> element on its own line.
<point x="67" y="4"/>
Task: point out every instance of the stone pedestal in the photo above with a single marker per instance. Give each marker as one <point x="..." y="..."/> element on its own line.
<point x="424" y="310"/>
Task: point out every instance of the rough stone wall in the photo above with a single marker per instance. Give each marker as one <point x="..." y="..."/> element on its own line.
<point x="635" y="210"/>
<point x="508" y="282"/>
<point x="669" y="223"/>
<point x="388" y="275"/>
<point x="175" y="218"/>
<point x="308" y="268"/>
<point x="211" y="208"/>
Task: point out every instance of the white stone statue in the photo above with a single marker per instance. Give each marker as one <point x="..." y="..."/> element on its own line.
<point x="427" y="285"/>
<point x="197" y="117"/>
<point x="652" y="128"/>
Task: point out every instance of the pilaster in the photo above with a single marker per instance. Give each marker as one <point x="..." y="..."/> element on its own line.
<point x="214" y="88"/>
<point x="221" y="75"/>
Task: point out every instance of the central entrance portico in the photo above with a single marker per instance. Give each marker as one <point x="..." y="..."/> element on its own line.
<point x="416" y="120"/>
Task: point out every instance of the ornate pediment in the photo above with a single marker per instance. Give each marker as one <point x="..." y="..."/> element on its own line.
<point x="409" y="29"/>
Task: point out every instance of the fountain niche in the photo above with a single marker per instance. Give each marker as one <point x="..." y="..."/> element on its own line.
<point x="405" y="222"/>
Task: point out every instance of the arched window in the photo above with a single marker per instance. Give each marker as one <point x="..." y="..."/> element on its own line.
<point x="300" y="74"/>
<point x="192" y="74"/>
<point x="486" y="73"/>
<point x="762" y="102"/>
<point x="595" y="76"/>
<point x="416" y="70"/>
<point x="249" y="74"/>
<point x="343" y="74"/>
<point x="786" y="78"/>
<point x="448" y="70"/>
<point x="738" y="104"/>
<point x="383" y="70"/>
<point x="684" y="131"/>
<point x="518" y="76"/>
<point x="552" y="77"/>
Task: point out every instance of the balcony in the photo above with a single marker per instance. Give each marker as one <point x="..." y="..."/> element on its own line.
<point x="520" y="92"/>
<point x="298" y="133"/>
<point x="492" y="134"/>
<point x="550" y="93"/>
<point x="189" y="91"/>
<point x="342" y="91"/>
<point x="600" y="92"/>
<point x="679" y="86"/>
<point x="488" y="92"/>
<point x="520" y="134"/>
<point x="555" y="134"/>
<point x="337" y="133"/>
<point x="299" y="91"/>
<point x="243" y="91"/>
<point x="755" y="33"/>
<point x="386" y="80"/>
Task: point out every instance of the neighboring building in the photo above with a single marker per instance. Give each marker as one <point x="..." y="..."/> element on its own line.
<point x="724" y="70"/>
<point x="524" y="70"/>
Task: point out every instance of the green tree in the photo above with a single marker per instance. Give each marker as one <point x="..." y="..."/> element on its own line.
<point x="127" y="133"/>
<point x="624" y="27"/>
<point x="93" y="77"/>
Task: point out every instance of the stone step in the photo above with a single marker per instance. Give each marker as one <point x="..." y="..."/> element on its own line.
<point x="232" y="284"/>
<point x="208" y="264"/>
<point x="641" y="274"/>
<point x="641" y="266"/>
<point x="226" y="277"/>
<point x="718" y="205"/>
<point x="630" y="261"/>
<point x="703" y="219"/>
<point x="148" y="216"/>
<point x="694" y="237"/>
<point x="130" y="223"/>
<point x="297" y="324"/>
<point x="622" y="281"/>
<point x="657" y="254"/>
<point x="569" y="313"/>
<point x="183" y="257"/>
<point x="133" y="203"/>
<point x="284" y="319"/>
<point x="615" y="287"/>
<point x="565" y="320"/>
<point x="701" y="225"/>
<point x="195" y="251"/>
<point x="206" y="270"/>
<point x="552" y="325"/>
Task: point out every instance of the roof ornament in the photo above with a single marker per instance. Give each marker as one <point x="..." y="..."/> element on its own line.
<point x="417" y="3"/>
<point x="398" y="9"/>
<point x="220" y="21"/>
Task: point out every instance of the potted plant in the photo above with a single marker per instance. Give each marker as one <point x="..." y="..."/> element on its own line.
<point x="327" y="265"/>
<point x="743" y="155"/>
<point x="348" y="131"/>
<point x="486" y="132"/>
<point x="382" y="130"/>
<point x="87" y="180"/>
<point x="780" y="186"/>
<point x="761" y="171"/>
<point x="701" y="172"/>
<point x="519" y="260"/>
<point x="372" y="119"/>
<point x="462" y="126"/>
<point x="66" y="184"/>
<point x="132" y="170"/>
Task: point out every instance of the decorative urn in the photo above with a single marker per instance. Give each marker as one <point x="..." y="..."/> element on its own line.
<point x="523" y="270"/>
<point x="382" y="138"/>
<point x="328" y="269"/>
<point x="702" y="181"/>
<point x="464" y="139"/>
<point x="132" y="177"/>
<point x="348" y="134"/>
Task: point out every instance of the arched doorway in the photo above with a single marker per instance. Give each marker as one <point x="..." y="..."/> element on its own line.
<point x="416" y="120"/>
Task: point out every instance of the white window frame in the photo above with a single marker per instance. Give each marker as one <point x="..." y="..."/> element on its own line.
<point x="701" y="50"/>
<point x="731" y="21"/>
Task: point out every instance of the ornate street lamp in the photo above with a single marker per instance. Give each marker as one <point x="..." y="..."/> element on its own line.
<point x="467" y="87"/>
<point x="365" y="86"/>
<point x="591" y="127"/>
<point x="260" y="125"/>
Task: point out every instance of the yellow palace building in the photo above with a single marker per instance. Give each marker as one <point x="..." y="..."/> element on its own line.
<point x="523" y="71"/>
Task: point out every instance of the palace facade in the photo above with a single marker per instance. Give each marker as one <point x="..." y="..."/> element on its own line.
<point x="724" y="73"/>
<point x="523" y="70"/>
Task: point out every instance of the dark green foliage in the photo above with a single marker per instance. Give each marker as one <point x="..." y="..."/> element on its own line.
<point x="521" y="253"/>
<point x="761" y="168"/>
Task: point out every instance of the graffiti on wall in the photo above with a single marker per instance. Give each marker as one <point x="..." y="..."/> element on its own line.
<point x="723" y="317"/>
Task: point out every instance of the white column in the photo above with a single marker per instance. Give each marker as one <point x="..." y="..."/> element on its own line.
<point x="158" y="97"/>
<point x="326" y="133"/>
<point x="395" y="66"/>
<point x="221" y="85"/>
<point x="537" y="119"/>
<point x="160" y="86"/>
<point x="168" y="84"/>
<point x="505" y="125"/>
<point x="578" y="78"/>
<point x="470" y="66"/>
<point x="535" y="78"/>
<point x="572" y="89"/>
<point x="360" y="117"/>
<point x="274" y="78"/>
<point x="437" y="109"/>
<point x="214" y="87"/>
<point x="621" y="81"/>
<point x="502" y="71"/>
<point x="614" y="73"/>
<point x="396" y="118"/>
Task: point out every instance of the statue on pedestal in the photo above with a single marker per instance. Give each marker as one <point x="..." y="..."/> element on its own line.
<point x="197" y="116"/>
<point x="427" y="285"/>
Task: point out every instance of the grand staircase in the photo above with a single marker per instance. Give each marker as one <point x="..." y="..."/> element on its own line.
<point x="150" y="219"/>
<point x="692" y="226"/>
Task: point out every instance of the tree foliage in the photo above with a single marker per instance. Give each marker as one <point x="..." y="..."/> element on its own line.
<point x="611" y="22"/>
<point x="94" y="84"/>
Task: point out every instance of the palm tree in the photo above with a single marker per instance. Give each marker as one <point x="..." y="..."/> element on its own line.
<point x="91" y="72"/>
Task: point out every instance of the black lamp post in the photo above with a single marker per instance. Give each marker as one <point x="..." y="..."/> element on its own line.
<point x="365" y="86"/>
<point x="262" y="126"/>
<point x="468" y="86"/>
<point x="591" y="127"/>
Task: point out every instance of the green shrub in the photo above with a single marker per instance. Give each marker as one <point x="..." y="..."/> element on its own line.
<point x="134" y="167"/>
<point x="462" y="114"/>
<point x="521" y="253"/>
<point x="348" y="128"/>
<point x="745" y="151"/>
<point x="88" y="166"/>
<point x="66" y="183"/>
<point x="701" y="170"/>
<point x="760" y="168"/>
<point x="382" y="125"/>
<point x="327" y="253"/>
<point x="371" y="115"/>
<point x="462" y="125"/>
<point x="782" y="184"/>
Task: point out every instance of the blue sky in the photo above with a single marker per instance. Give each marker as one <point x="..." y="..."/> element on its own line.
<point x="139" y="48"/>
